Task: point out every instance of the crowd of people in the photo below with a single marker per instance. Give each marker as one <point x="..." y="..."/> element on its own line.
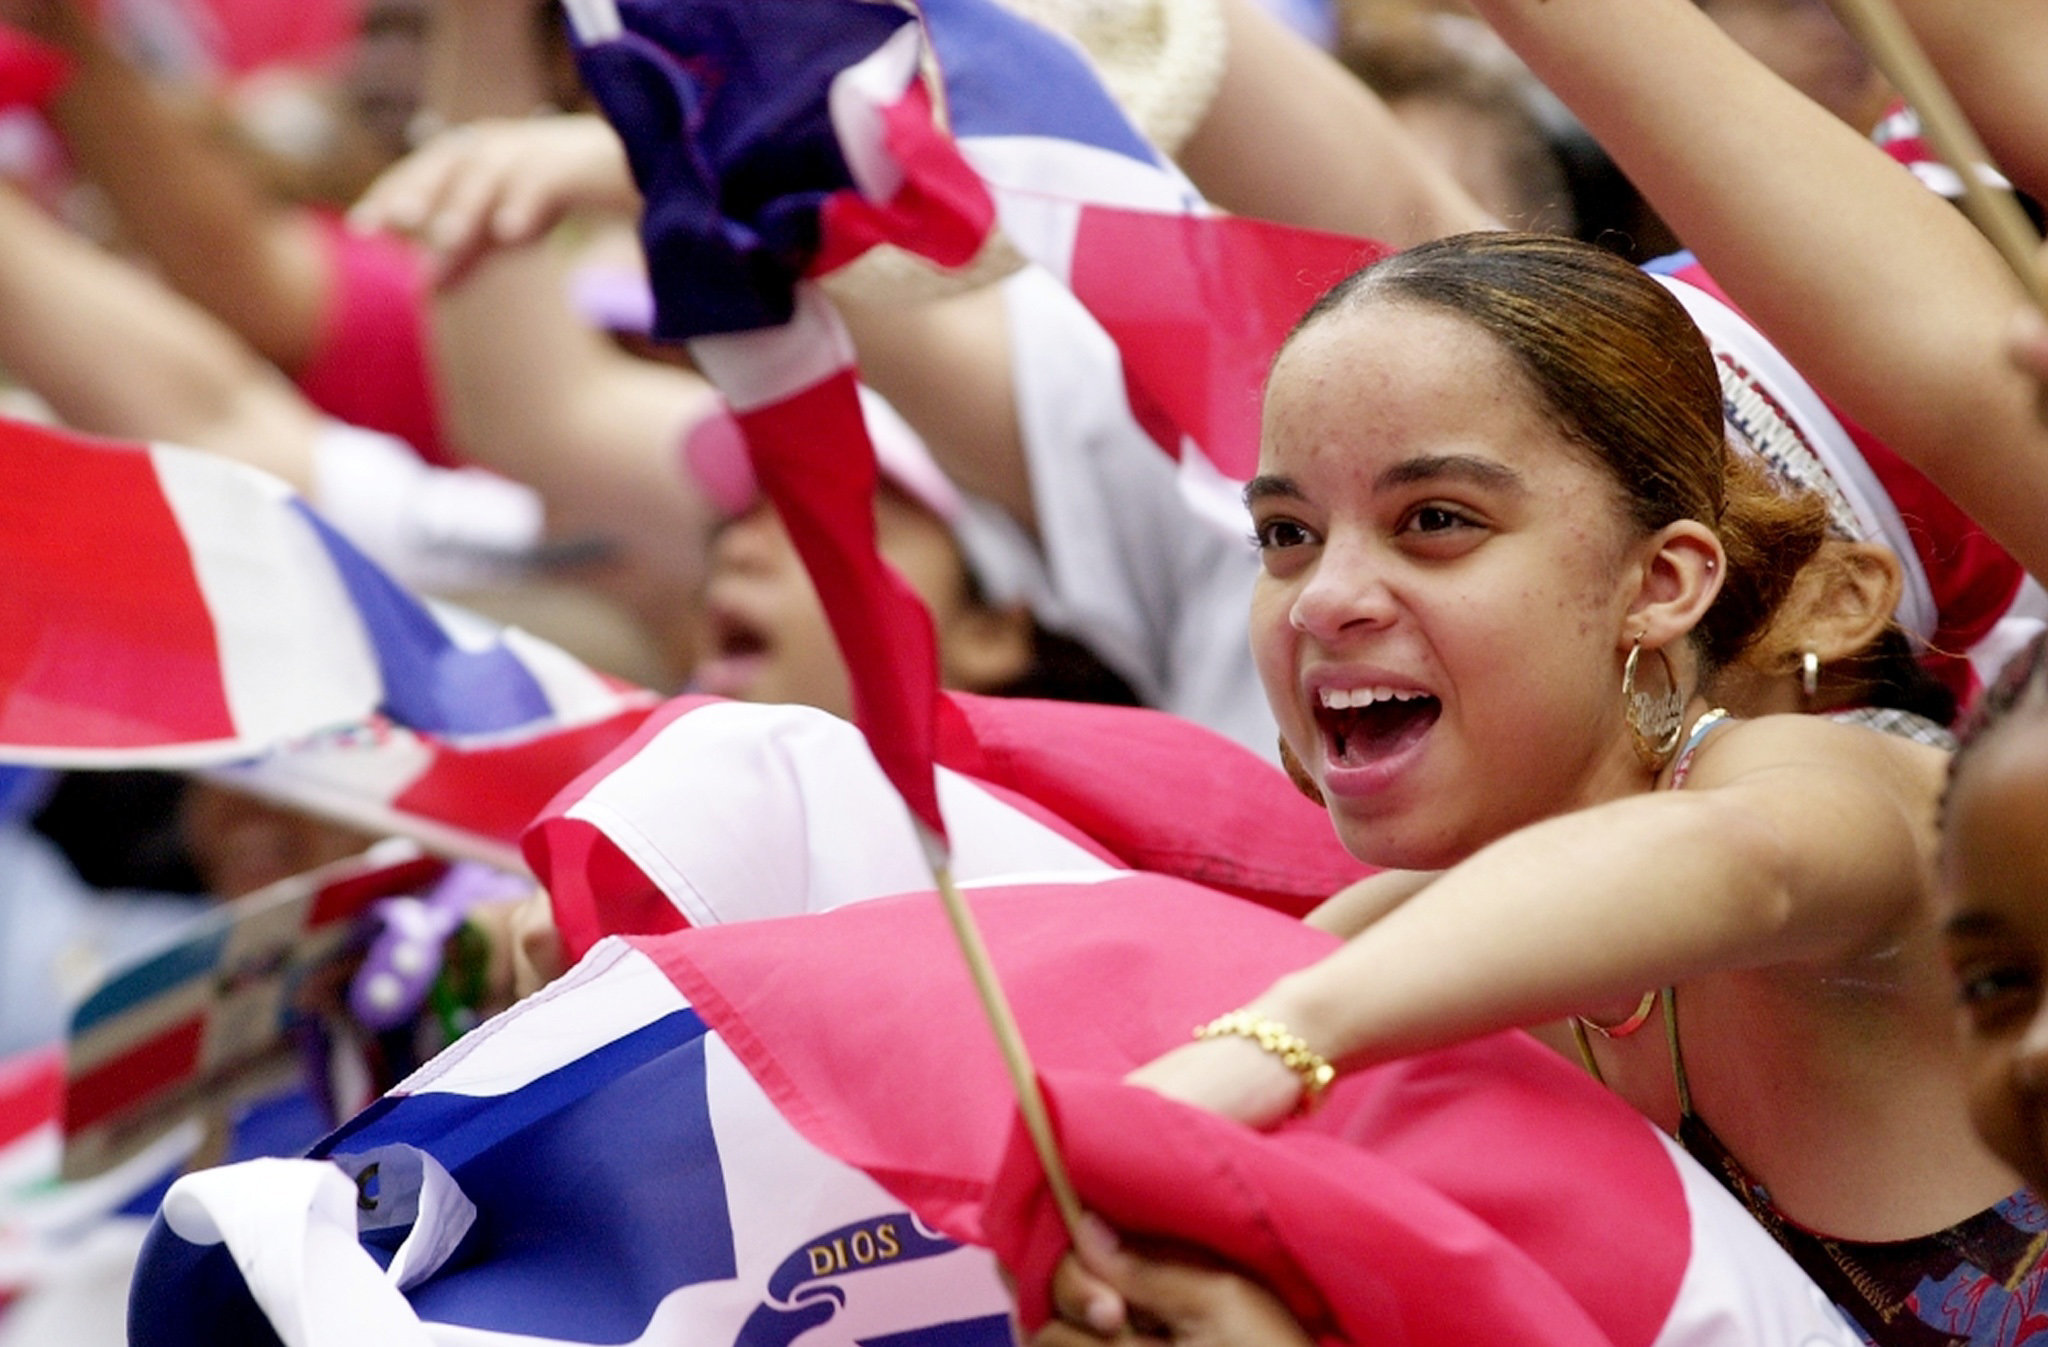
<point x="1638" y="572"/>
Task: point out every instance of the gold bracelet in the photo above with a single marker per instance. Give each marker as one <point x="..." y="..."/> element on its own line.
<point x="1294" y="1053"/>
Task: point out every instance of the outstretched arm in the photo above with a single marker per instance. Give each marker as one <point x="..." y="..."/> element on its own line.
<point x="1875" y="288"/>
<point x="1796" y="842"/>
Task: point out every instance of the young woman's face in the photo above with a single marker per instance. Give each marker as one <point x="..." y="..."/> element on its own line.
<point x="1997" y="937"/>
<point x="1439" y="618"/>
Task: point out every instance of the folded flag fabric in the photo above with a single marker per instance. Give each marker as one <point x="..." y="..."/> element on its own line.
<point x="754" y="1133"/>
<point x="1967" y="604"/>
<point x="715" y="812"/>
<point x="166" y="608"/>
<point x="593" y="1167"/>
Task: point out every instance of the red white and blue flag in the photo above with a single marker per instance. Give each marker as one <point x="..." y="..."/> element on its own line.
<point x="1966" y="604"/>
<point x="792" y="1129"/>
<point x="644" y="842"/>
<point x="166" y="608"/>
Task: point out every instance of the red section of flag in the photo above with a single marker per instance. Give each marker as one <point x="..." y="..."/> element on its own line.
<point x="348" y="898"/>
<point x="127" y="1081"/>
<point x="496" y="791"/>
<point x="812" y="456"/>
<point x="1422" y="1203"/>
<point x="1220" y="293"/>
<point x="105" y="637"/>
<point x="942" y="211"/>
<point x="1157" y="792"/>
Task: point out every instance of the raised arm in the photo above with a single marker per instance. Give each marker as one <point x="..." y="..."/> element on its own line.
<point x="530" y="389"/>
<point x="1292" y="136"/>
<point x="1994" y="58"/>
<point x="256" y="263"/>
<point x="1875" y="288"/>
<point x="115" y="353"/>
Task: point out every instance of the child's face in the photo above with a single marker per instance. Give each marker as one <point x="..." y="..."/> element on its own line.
<point x="1997" y="936"/>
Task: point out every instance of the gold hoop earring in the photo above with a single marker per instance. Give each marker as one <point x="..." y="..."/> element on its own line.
<point x="1298" y="774"/>
<point x="1809" y="674"/>
<point x="1655" y="723"/>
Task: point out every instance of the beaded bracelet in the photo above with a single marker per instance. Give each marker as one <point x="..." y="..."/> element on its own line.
<point x="1294" y="1053"/>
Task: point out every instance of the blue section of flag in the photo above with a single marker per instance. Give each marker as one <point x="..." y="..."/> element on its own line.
<point x="1005" y="76"/>
<point x="572" y="1240"/>
<point x="194" y="957"/>
<point x="23" y="791"/>
<point x="598" y="1189"/>
<point x="1670" y="264"/>
<point x="430" y="683"/>
<point x="722" y="105"/>
<point x="191" y="1295"/>
<point x="992" y="1330"/>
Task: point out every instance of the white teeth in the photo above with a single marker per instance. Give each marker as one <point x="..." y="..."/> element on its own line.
<point x="1344" y="699"/>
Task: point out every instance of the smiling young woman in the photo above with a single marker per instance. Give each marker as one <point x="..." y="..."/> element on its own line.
<point x="1506" y="548"/>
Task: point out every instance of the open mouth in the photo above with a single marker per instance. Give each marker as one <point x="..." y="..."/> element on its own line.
<point x="735" y="652"/>
<point x="1362" y="726"/>
<point x="733" y="637"/>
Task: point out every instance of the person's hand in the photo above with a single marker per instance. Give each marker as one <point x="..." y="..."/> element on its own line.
<point x="1227" y="1075"/>
<point x="497" y="184"/>
<point x="524" y="947"/>
<point x="1103" y="1292"/>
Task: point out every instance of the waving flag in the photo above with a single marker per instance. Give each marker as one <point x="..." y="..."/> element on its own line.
<point x="775" y="142"/>
<point x="674" y="828"/>
<point x="173" y="609"/>
<point x="748" y="1134"/>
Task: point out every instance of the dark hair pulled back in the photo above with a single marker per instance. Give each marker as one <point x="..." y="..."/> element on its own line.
<point x="1628" y="377"/>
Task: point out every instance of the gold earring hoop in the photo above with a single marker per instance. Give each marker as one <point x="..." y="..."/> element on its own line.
<point x="1298" y="774"/>
<point x="1655" y="723"/>
<point x="1809" y="674"/>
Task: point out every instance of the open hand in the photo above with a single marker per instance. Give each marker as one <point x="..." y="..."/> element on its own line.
<point x="498" y="183"/>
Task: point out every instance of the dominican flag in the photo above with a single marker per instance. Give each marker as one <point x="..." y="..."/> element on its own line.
<point x="647" y="841"/>
<point x="760" y="1134"/>
<point x="777" y="141"/>
<point x="166" y="608"/>
<point x="1967" y="604"/>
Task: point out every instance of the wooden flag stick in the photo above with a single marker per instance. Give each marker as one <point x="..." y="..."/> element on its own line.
<point x="1877" y="25"/>
<point x="595" y="21"/>
<point x="1009" y="1040"/>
